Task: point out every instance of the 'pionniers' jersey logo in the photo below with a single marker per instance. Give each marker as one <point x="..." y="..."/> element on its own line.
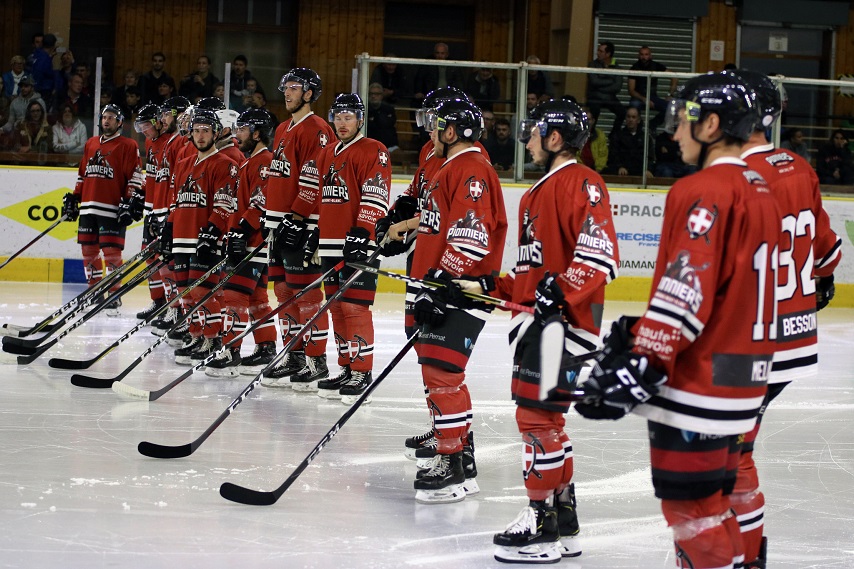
<point x="98" y="167"/>
<point x="680" y="284"/>
<point x="280" y="167"/>
<point x="431" y="218"/>
<point x="476" y="188"/>
<point x="593" y="239"/>
<point x="530" y="248"/>
<point x="191" y="194"/>
<point x="335" y="189"/>
<point x="701" y="220"/>
<point x="594" y="192"/>
<point x="468" y="231"/>
<point x="163" y="173"/>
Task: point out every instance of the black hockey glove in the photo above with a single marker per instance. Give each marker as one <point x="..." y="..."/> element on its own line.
<point x="611" y="393"/>
<point x="451" y="292"/>
<point x="206" y="248"/>
<point x="291" y="235"/>
<point x="124" y="217"/>
<point x="430" y="307"/>
<point x="357" y="245"/>
<point x="404" y="208"/>
<point x="164" y="246"/>
<point x="235" y="245"/>
<point x="137" y="205"/>
<point x="70" y="207"/>
<point x="824" y="291"/>
<point x="391" y="247"/>
<point x="549" y="299"/>
<point x="618" y="341"/>
<point x="310" y="253"/>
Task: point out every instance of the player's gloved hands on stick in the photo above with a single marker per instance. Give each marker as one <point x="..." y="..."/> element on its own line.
<point x="549" y="299"/>
<point x="70" y="207"/>
<point x="824" y="291"/>
<point x="235" y="245"/>
<point x="612" y="392"/>
<point x="619" y="341"/>
<point x="430" y="307"/>
<point x="164" y="246"/>
<point x="206" y="248"/>
<point x="291" y="234"/>
<point x="356" y="245"/>
<point x="124" y="216"/>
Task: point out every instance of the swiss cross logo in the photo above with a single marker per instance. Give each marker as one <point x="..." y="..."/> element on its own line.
<point x="232" y="170"/>
<point x="701" y="220"/>
<point x="383" y="158"/>
<point x="323" y="139"/>
<point x="476" y="189"/>
<point x="594" y="192"/>
<point x="264" y="172"/>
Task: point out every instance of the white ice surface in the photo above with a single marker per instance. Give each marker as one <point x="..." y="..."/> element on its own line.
<point x="75" y="493"/>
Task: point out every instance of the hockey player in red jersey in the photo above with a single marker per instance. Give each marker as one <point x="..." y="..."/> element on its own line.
<point x="246" y="292"/>
<point x="567" y="254"/>
<point x="149" y="125"/>
<point x="205" y="188"/>
<point x="809" y="252"/>
<point x="292" y="191"/>
<point x="225" y="141"/>
<point x="109" y="175"/>
<point x="354" y="194"/>
<point x="461" y="232"/>
<point x="696" y="364"/>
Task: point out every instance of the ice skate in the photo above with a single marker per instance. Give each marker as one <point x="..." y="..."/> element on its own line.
<point x="225" y="364"/>
<point x="532" y="537"/>
<point x="355" y="386"/>
<point x="330" y="388"/>
<point x="315" y="370"/>
<point x="264" y="353"/>
<point x="280" y="376"/>
<point x="443" y="483"/>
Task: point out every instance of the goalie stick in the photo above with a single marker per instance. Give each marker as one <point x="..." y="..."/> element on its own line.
<point x="28" y="359"/>
<point x="251" y="497"/>
<point x="155" y="450"/>
<point x="130" y="391"/>
<point x="102" y="383"/>
<point x="485" y="298"/>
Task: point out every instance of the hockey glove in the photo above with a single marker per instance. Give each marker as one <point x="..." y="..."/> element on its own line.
<point x="164" y="246"/>
<point x="71" y="207"/>
<point x="291" y="234"/>
<point x="430" y="307"/>
<point x="137" y="205"/>
<point x="235" y="245"/>
<point x="618" y="341"/>
<point x="611" y="393"/>
<point x="549" y="299"/>
<point x="206" y="248"/>
<point x="391" y="247"/>
<point x="124" y="217"/>
<point x="476" y="285"/>
<point x="357" y="245"/>
<point x="824" y="291"/>
<point x="404" y="208"/>
<point x="311" y="254"/>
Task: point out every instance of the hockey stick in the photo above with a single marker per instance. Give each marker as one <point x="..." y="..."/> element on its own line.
<point x="72" y="305"/>
<point x="28" y="359"/>
<point x="251" y="497"/>
<point x="31" y="243"/>
<point x="163" y="451"/>
<point x="130" y="391"/>
<point x="101" y="383"/>
<point x="485" y="298"/>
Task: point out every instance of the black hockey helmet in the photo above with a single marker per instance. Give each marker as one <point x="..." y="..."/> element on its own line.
<point x="564" y="116"/>
<point x="724" y="94"/>
<point x="464" y="115"/>
<point x="436" y="96"/>
<point x="211" y="103"/>
<point x="175" y="105"/>
<point x="111" y="108"/>
<point x="258" y="120"/>
<point x="347" y="102"/>
<point x="206" y="117"/>
<point x="768" y="98"/>
<point x="308" y="78"/>
<point x="147" y="115"/>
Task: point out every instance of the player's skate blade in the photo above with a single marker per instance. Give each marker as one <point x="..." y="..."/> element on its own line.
<point x="537" y="553"/>
<point x="447" y="495"/>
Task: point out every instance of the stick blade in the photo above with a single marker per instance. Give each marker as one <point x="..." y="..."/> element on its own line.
<point x="155" y="450"/>
<point x="247" y="496"/>
<point x="18" y="350"/>
<point x="10" y="342"/>
<point x="62" y="363"/>
<point x="12" y="330"/>
<point x="91" y="382"/>
<point x="130" y="391"/>
<point x="27" y="360"/>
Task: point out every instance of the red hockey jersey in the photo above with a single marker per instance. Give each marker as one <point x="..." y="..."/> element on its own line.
<point x="109" y="170"/>
<point x="565" y="228"/>
<point x="294" y="180"/>
<point x="354" y="192"/>
<point x="463" y="223"/>
<point x="809" y="248"/>
<point x="710" y="321"/>
<point x="205" y="193"/>
<point x="169" y="158"/>
<point x="252" y="193"/>
<point x="153" y="157"/>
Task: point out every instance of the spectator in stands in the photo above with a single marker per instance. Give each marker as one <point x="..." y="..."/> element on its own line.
<point x="82" y="69"/>
<point x="44" y="78"/>
<point x="66" y="66"/>
<point x="834" y="163"/>
<point x="488" y="132"/>
<point x="18" y="106"/>
<point x="81" y="103"/>
<point x="381" y="118"/>
<point x="131" y="79"/>
<point x="393" y="79"/>
<point x="539" y="82"/>
<point x="13" y="76"/>
<point x="531" y="101"/>
<point x="106" y="97"/>
<point x="33" y="133"/>
<point x="219" y="91"/>
<point x="793" y="139"/>
<point x="602" y="90"/>
<point x="200" y="84"/>
<point x="151" y="80"/>
<point x="501" y="147"/>
<point x="251" y="87"/>
<point x="637" y="87"/>
<point x="595" y="152"/>
<point x="259" y="101"/>
<point x="483" y="87"/>
<point x="37" y="41"/>
<point x="668" y="158"/>
<point x="431" y="77"/>
<point x="165" y="90"/>
<point x="131" y="104"/>
<point x="625" y="156"/>
<point x="69" y="133"/>
<point x="240" y="75"/>
<point x="5" y="101"/>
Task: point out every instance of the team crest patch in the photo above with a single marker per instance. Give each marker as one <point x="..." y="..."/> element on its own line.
<point x="382" y="158"/>
<point x="753" y="177"/>
<point x="232" y="170"/>
<point x="322" y="139"/>
<point x="264" y="172"/>
<point x="594" y="192"/>
<point x="780" y="159"/>
<point x="476" y="188"/>
<point x="701" y="220"/>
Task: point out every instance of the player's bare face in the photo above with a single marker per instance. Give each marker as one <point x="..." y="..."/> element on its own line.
<point x="293" y="96"/>
<point x="244" y="138"/>
<point x="346" y="126"/>
<point x="438" y="146"/>
<point x="203" y="137"/>
<point x="109" y="124"/>
<point x="535" y="147"/>
<point x="689" y="147"/>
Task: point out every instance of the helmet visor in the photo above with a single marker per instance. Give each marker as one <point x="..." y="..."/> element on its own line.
<point x="680" y="109"/>
<point x="143" y="126"/>
<point x="335" y="112"/>
<point x="526" y="128"/>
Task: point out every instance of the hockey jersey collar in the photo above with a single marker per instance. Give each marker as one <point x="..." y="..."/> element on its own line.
<point x="539" y="182"/>
<point x="117" y="135"/>
<point x="460" y="153"/>
<point x="728" y="160"/>
<point x="758" y="150"/>
<point x="197" y="162"/>
<point x="295" y="123"/>
<point x="341" y="147"/>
